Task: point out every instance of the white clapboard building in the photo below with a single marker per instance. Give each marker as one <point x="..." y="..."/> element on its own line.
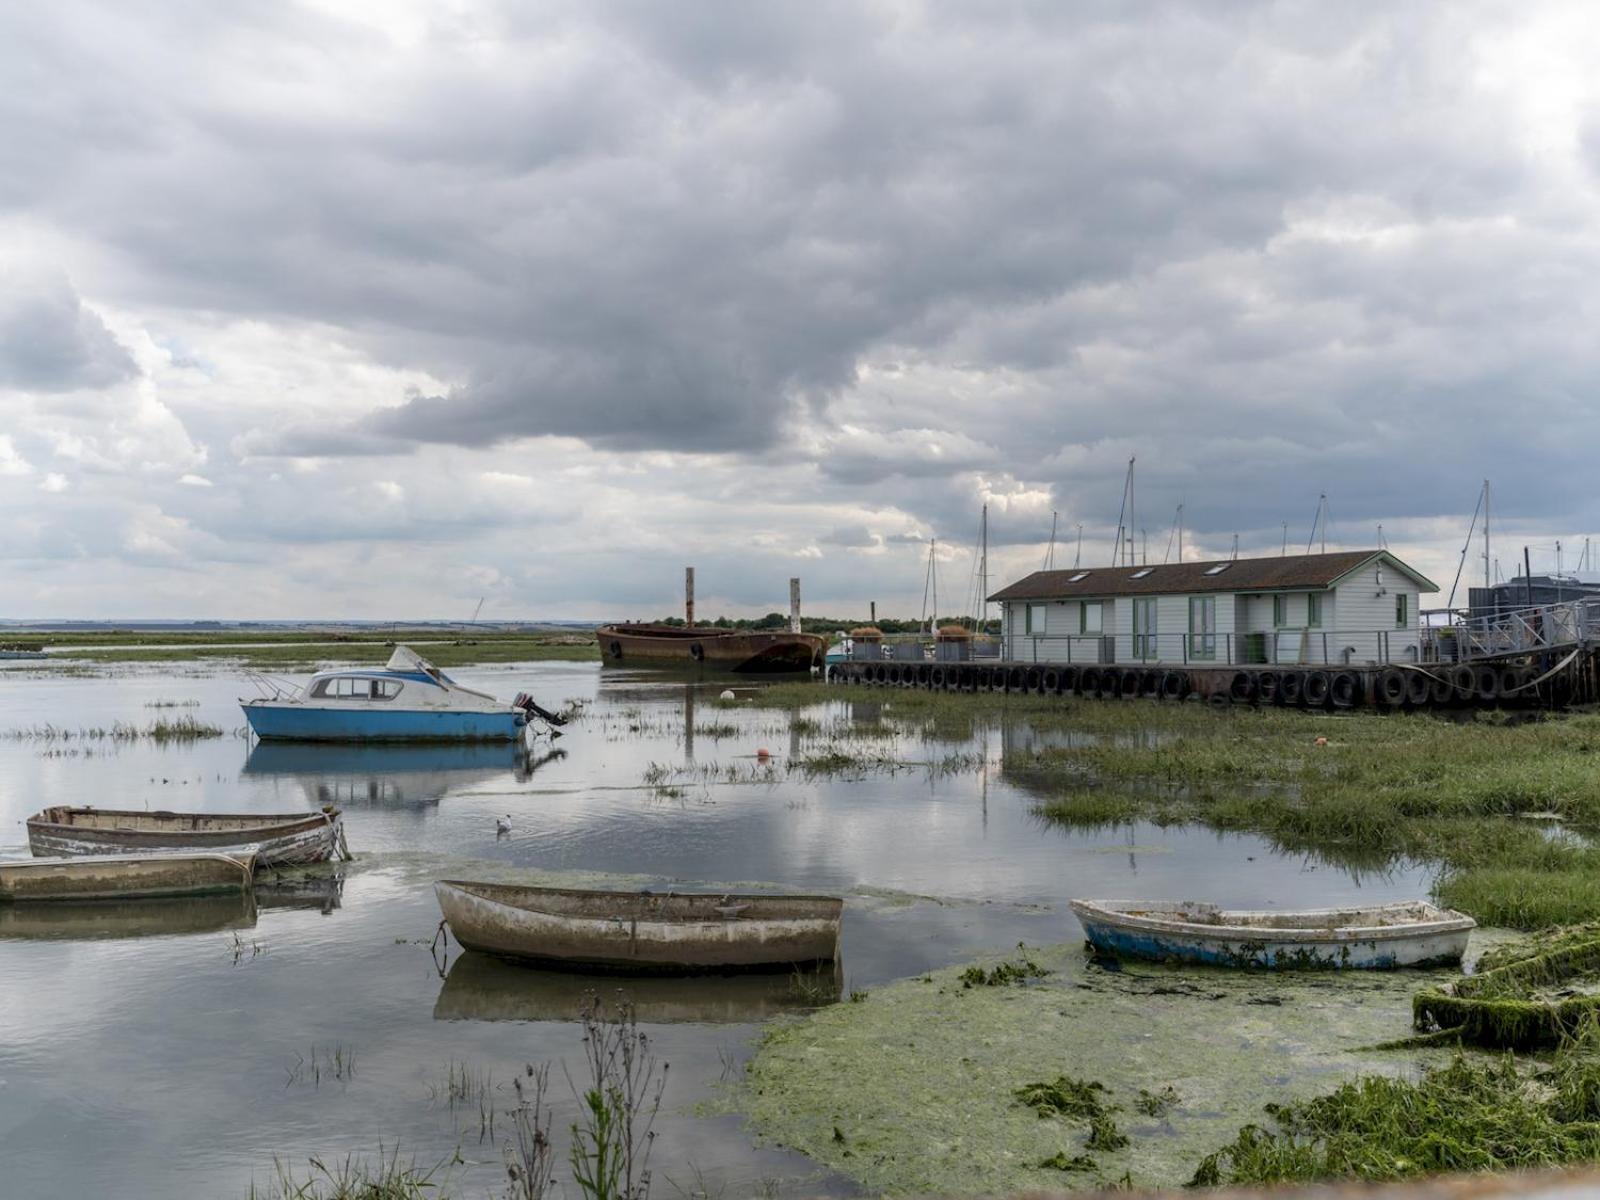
<point x="1348" y="607"/>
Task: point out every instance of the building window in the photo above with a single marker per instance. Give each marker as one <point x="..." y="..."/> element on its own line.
<point x="1218" y="569"/>
<point x="1093" y="619"/>
<point x="1202" y="627"/>
<point x="1034" y="619"/>
<point x="1314" y="610"/>
<point x="1144" y="627"/>
<point x="1400" y="614"/>
<point x="1280" y="611"/>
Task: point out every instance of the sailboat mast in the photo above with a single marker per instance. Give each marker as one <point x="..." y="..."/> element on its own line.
<point x="983" y="570"/>
<point x="1487" y="582"/>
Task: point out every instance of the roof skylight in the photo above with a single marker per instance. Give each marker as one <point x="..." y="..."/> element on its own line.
<point x="1218" y="569"/>
<point x="1140" y="574"/>
<point x="1081" y="575"/>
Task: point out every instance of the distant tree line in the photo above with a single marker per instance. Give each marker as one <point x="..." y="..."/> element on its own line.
<point x="827" y="625"/>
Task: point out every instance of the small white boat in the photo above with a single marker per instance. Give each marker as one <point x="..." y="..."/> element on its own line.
<point x="125" y="876"/>
<point x="647" y="932"/>
<point x="408" y="700"/>
<point x="1411" y="933"/>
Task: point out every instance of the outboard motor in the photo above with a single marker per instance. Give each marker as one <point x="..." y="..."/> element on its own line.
<point x="527" y="704"/>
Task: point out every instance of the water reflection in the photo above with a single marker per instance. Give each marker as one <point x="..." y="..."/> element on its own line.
<point x="478" y="987"/>
<point x="391" y="776"/>
<point x="324" y="893"/>
<point x="73" y="920"/>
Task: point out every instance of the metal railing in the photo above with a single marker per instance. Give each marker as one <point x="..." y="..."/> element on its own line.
<point x="1536" y="629"/>
<point x="1256" y="647"/>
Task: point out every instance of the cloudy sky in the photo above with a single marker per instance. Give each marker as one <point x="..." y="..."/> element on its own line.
<point x="375" y="309"/>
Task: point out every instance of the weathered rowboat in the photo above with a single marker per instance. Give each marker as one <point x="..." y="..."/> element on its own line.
<point x="125" y="876"/>
<point x="480" y="987"/>
<point x="1412" y="933"/>
<point x="278" y="839"/>
<point x="647" y="932"/>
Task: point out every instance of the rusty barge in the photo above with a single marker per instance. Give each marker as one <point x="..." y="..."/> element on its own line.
<point x="711" y="646"/>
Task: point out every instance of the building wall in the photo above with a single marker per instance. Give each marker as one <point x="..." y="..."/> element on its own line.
<point x="1357" y="624"/>
<point x="1366" y="619"/>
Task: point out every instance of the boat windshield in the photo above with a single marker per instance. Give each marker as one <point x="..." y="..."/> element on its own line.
<point x="346" y="687"/>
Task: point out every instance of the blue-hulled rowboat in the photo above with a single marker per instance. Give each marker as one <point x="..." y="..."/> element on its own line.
<point x="1412" y="933"/>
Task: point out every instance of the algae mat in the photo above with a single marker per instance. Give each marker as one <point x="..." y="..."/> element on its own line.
<point x="912" y="1088"/>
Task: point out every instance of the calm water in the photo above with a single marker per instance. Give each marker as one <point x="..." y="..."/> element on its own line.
<point x="166" y="1049"/>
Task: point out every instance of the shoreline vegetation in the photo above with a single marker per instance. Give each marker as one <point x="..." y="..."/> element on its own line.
<point x="278" y="650"/>
<point x="1503" y="806"/>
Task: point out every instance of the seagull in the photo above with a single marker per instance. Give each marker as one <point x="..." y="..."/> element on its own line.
<point x="502" y="824"/>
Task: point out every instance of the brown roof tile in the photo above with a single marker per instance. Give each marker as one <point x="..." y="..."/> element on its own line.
<point x="1241" y="575"/>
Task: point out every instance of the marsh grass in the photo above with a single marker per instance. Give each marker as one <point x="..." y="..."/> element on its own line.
<point x="384" y="1177"/>
<point x="166" y="729"/>
<point x="1470" y="1115"/>
<point x="336" y="1062"/>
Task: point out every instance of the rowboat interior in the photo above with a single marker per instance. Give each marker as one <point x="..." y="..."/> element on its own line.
<point x="1373" y="917"/>
<point x="688" y="908"/>
<point x="119" y="820"/>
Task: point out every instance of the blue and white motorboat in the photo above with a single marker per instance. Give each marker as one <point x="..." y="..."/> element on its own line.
<point x="408" y="700"/>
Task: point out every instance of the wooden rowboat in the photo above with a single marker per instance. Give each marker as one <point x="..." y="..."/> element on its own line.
<point x="125" y="876"/>
<point x="1408" y="934"/>
<point x="278" y="839"/>
<point x="647" y="932"/>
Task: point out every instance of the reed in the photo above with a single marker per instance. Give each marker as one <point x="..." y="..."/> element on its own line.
<point x="383" y="1177"/>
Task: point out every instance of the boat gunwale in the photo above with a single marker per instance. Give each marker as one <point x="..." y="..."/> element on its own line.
<point x="270" y="824"/>
<point x="471" y="888"/>
<point x="1449" y="921"/>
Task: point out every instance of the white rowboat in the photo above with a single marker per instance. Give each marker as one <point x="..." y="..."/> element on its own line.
<point x="1411" y="933"/>
<point x="647" y="932"/>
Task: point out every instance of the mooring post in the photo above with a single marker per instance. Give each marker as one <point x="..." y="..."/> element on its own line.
<point x="794" y="606"/>
<point x="688" y="596"/>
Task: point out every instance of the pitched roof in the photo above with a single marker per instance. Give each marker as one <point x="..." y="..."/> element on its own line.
<point x="1237" y="575"/>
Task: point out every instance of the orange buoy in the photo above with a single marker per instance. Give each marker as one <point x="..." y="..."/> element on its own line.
<point x="1322" y="741"/>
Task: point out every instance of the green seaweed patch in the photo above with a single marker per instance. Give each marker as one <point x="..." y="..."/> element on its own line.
<point x="1060" y="1162"/>
<point x="1018" y="970"/>
<point x="924" y="1078"/>
<point x="1066" y="1097"/>
<point x="1157" y="1104"/>
<point x="1465" y="1116"/>
<point x="1503" y="1006"/>
<point x="1104" y="1135"/>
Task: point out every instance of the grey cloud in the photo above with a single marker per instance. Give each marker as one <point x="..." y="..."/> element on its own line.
<point x="50" y="341"/>
<point x="850" y="537"/>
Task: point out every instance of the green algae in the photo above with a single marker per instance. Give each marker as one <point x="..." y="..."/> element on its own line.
<point x="1509" y="1004"/>
<point x="921" y="1082"/>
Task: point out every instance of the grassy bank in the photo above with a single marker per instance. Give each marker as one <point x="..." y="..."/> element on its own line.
<point x="305" y="651"/>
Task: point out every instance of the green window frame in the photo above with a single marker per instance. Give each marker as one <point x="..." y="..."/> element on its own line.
<point x="1033" y="619"/>
<point x="1314" y="610"/>
<point x="1280" y="610"/>
<point x="1202" y="627"/>
<point x="1144" y="627"/>
<point x="1401" y="615"/>
<point x="1099" y="624"/>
